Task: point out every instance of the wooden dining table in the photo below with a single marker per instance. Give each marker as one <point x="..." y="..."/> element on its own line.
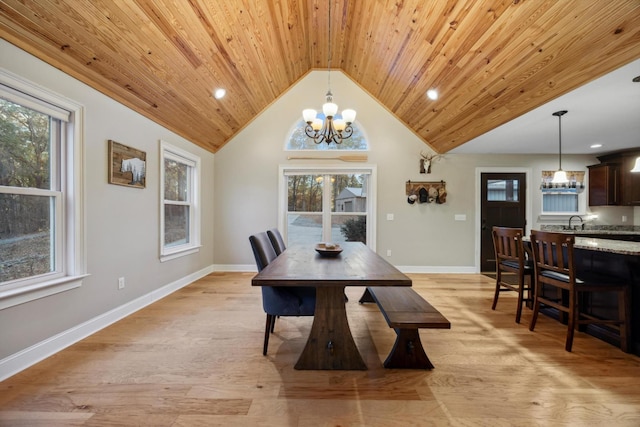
<point x="330" y="344"/>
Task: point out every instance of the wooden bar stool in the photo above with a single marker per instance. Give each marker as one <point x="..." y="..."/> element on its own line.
<point x="511" y="258"/>
<point x="554" y="266"/>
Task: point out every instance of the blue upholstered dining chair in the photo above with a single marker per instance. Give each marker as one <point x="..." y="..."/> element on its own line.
<point x="279" y="301"/>
<point x="276" y="240"/>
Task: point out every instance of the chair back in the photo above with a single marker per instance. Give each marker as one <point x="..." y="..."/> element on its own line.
<point x="553" y="257"/>
<point x="276" y="240"/>
<point x="262" y="249"/>
<point x="508" y="246"/>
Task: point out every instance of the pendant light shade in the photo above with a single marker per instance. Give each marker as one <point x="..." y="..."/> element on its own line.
<point x="560" y="176"/>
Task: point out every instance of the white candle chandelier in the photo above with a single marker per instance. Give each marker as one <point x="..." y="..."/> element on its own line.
<point x="331" y="129"/>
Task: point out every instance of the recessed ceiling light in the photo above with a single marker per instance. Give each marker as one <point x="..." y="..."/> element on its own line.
<point x="432" y="94"/>
<point x="219" y="93"/>
<point x="596" y="145"/>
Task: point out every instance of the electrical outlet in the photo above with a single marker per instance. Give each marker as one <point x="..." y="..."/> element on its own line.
<point x="121" y="283"/>
<point x="388" y="252"/>
<point x="624" y="218"/>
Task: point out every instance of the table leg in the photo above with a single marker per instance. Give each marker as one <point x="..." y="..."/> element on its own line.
<point x="330" y="344"/>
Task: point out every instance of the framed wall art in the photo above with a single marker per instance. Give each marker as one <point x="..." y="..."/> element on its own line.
<point x="127" y="166"/>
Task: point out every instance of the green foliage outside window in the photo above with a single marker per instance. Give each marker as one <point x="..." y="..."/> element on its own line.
<point x="355" y="229"/>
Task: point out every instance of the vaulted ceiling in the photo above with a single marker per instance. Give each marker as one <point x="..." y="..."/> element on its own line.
<point x="491" y="60"/>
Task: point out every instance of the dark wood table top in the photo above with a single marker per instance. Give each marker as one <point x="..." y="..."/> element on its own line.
<point x="356" y="265"/>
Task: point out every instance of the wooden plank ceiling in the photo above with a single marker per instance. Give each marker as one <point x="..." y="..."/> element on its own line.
<point x="491" y="60"/>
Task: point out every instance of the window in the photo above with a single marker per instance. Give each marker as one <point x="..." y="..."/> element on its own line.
<point x="180" y="210"/>
<point x="327" y="205"/>
<point x="41" y="229"/>
<point x="503" y="190"/>
<point x="558" y="199"/>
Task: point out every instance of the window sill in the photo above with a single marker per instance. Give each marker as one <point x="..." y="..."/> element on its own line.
<point x="27" y="293"/>
<point x="180" y="253"/>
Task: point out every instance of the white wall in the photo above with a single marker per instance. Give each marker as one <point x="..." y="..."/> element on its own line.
<point x="422" y="237"/>
<point x="122" y="224"/>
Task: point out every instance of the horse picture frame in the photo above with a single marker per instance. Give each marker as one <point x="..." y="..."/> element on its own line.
<point x="127" y="165"/>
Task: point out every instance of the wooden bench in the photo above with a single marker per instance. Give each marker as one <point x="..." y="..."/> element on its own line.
<point x="406" y="311"/>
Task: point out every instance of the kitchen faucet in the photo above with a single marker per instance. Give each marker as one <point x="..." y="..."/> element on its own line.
<point x="581" y="222"/>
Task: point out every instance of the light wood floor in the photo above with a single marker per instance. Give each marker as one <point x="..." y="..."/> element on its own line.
<point x="195" y="359"/>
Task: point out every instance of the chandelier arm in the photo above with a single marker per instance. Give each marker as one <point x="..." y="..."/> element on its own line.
<point x="346" y="133"/>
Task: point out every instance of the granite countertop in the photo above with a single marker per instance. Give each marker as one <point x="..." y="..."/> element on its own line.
<point x="607" y="245"/>
<point x="596" y="229"/>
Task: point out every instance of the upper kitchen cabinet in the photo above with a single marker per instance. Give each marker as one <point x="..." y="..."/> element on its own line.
<point x="612" y="182"/>
<point x="604" y="184"/>
<point x="630" y="180"/>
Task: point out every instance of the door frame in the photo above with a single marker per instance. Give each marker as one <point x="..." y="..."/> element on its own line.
<point x="478" y="220"/>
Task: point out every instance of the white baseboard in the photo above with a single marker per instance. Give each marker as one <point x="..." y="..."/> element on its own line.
<point x="240" y="268"/>
<point x="23" y="359"/>
<point x="437" y="269"/>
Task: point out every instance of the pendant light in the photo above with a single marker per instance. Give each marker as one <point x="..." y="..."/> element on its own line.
<point x="560" y="176"/>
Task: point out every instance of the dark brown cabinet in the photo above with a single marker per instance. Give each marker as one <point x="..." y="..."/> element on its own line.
<point x="604" y="184"/>
<point x="630" y="180"/>
<point x="612" y="183"/>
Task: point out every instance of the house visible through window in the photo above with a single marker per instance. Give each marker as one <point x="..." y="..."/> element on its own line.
<point x="180" y="211"/>
<point x="40" y="201"/>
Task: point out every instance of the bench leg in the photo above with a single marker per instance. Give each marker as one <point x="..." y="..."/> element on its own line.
<point x="407" y="352"/>
<point x="366" y="297"/>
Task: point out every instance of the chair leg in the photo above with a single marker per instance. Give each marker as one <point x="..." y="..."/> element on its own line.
<point x="268" y="326"/>
<point x="520" y="298"/>
<point x="273" y="323"/>
<point x="574" y="313"/>
<point x="497" y="292"/>
<point x="536" y="306"/>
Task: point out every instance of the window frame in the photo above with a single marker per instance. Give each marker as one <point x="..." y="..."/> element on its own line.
<point x="67" y="160"/>
<point x="371" y="170"/>
<point x="193" y="162"/>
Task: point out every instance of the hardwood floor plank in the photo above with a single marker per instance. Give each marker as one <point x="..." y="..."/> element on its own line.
<point x="195" y="359"/>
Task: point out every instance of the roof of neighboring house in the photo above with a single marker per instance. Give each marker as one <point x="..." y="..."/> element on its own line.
<point x="350" y="192"/>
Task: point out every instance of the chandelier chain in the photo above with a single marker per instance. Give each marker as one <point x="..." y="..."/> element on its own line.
<point x="329" y="52"/>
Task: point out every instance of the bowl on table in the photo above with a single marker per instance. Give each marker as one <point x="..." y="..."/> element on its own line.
<point x="328" y="249"/>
